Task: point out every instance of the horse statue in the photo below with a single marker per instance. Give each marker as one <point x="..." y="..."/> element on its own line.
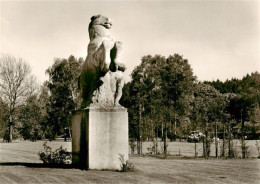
<point x="101" y="66"/>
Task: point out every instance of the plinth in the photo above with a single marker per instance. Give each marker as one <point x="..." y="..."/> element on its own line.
<point x="98" y="137"/>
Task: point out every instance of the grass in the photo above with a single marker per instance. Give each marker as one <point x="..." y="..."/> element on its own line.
<point x="19" y="163"/>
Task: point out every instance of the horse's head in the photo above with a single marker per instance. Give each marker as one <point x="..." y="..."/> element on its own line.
<point x="101" y="20"/>
<point x="99" y="26"/>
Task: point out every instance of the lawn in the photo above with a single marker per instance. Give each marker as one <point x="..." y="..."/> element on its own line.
<point x="19" y="163"/>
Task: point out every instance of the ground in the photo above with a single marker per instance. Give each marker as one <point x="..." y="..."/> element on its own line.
<point x="19" y="163"/>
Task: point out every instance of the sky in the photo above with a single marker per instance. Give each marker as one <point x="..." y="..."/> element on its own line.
<point x="220" y="39"/>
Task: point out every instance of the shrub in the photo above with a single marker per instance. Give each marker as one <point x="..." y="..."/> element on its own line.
<point x="245" y="149"/>
<point x="59" y="156"/>
<point x="132" y="145"/>
<point x="126" y="166"/>
<point x="153" y="149"/>
<point x="233" y="150"/>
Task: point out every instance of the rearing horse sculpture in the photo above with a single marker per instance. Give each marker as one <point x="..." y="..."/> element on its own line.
<point x="103" y="54"/>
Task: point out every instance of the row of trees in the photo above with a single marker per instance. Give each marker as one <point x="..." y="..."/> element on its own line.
<point x="165" y="100"/>
<point x="35" y="112"/>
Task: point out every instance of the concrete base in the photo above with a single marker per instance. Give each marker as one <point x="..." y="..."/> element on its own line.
<point x="98" y="137"/>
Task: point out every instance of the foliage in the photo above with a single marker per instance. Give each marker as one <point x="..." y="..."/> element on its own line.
<point x="3" y="120"/>
<point x="164" y="100"/>
<point x="43" y="100"/>
<point x="245" y="149"/>
<point x="245" y="104"/>
<point x="16" y="85"/>
<point x="126" y="166"/>
<point x="177" y="85"/>
<point x="257" y="145"/>
<point x="153" y="149"/>
<point x="243" y="107"/>
<point x="158" y="96"/>
<point x="233" y="150"/>
<point x="132" y="145"/>
<point x="59" y="156"/>
<point x="64" y="97"/>
<point x="30" y="117"/>
<point x="208" y="107"/>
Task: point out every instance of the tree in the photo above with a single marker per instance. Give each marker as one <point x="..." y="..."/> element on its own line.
<point x="30" y="117"/>
<point x="15" y="86"/>
<point x="75" y="69"/>
<point x="243" y="106"/>
<point x="43" y="100"/>
<point x="229" y="98"/>
<point x="3" y="119"/>
<point x="142" y="96"/>
<point x="63" y="95"/>
<point x="206" y="110"/>
<point x="160" y="90"/>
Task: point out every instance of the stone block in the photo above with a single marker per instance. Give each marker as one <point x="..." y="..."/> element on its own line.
<point x="98" y="137"/>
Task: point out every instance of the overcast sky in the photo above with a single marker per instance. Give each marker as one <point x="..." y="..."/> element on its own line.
<point x="221" y="39"/>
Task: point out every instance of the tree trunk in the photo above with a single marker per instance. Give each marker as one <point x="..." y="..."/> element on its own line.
<point x="204" y="144"/>
<point x="10" y="137"/>
<point x="175" y="125"/>
<point x="196" y="154"/>
<point x="156" y="146"/>
<point x="162" y="132"/>
<point x="216" y="139"/>
<point x="243" y="145"/>
<point x="207" y="145"/>
<point x="165" y="143"/>
<point x="204" y="148"/>
<point x="229" y="141"/>
<point x="224" y="140"/>
<point x="139" y="144"/>
<point x="70" y="133"/>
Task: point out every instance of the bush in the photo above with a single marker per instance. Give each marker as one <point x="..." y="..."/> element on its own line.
<point x="125" y="165"/>
<point x="233" y="150"/>
<point x="59" y="156"/>
<point x="132" y="145"/>
<point x="153" y="149"/>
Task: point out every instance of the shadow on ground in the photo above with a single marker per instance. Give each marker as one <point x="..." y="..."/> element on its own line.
<point x="40" y="165"/>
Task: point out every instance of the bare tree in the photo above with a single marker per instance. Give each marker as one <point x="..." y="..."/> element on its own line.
<point x="15" y="85"/>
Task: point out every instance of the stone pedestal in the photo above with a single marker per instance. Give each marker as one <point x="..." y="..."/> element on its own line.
<point x="98" y="137"/>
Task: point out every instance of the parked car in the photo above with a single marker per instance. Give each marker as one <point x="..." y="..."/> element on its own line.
<point x="195" y="136"/>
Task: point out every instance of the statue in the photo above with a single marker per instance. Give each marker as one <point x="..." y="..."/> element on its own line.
<point x="100" y="127"/>
<point x="117" y="83"/>
<point x="101" y="79"/>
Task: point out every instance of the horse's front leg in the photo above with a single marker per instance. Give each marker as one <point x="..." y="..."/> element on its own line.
<point x="107" y="45"/>
<point x="115" y="56"/>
